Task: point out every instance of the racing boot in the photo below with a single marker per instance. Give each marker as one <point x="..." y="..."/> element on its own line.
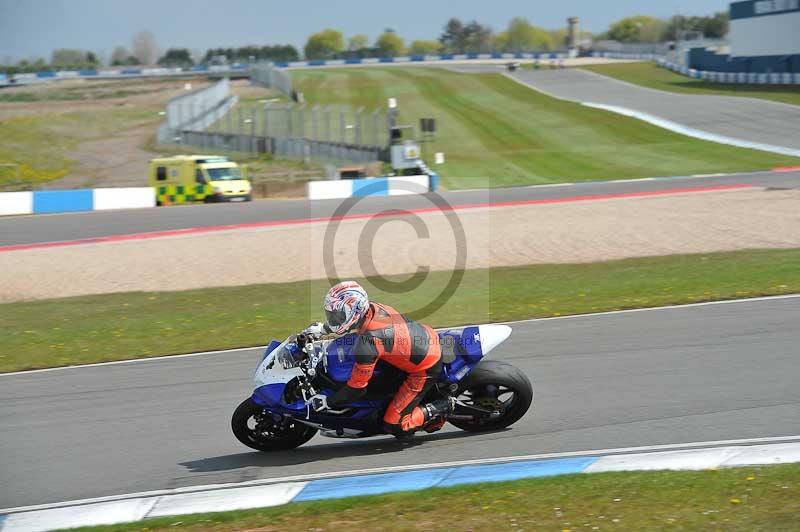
<point x="436" y="413"/>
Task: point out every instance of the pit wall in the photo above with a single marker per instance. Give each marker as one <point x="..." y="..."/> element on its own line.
<point x="54" y="201"/>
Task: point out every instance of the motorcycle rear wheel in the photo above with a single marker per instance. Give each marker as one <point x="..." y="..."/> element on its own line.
<point x="494" y="385"/>
<point x="257" y="430"/>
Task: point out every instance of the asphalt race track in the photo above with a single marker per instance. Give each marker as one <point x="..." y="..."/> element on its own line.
<point x="58" y="227"/>
<point x="747" y="119"/>
<point x="673" y="375"/>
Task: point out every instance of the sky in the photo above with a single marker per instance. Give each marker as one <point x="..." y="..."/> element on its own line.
<point x="33" y="28"/>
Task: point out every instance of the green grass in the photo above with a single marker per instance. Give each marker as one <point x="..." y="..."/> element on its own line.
<point x="738" y="499"/>
<point x="82" y="90"/>
<point x="38" y="145"/>
<point x="99" y="328"/>
<point x="649" y="74"/>
<point x="495" y="132"/>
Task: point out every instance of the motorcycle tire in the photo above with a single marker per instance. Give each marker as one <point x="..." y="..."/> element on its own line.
<point x="485" y="386"/>
<point x="265" y="435"/>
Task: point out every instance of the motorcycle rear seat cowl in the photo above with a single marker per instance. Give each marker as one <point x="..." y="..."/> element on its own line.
<point x="460" y="342"/>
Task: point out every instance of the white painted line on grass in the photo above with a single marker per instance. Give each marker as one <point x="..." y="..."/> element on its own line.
<point x="528" y="320"/>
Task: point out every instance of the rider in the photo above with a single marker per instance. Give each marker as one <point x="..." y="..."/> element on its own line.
<point x="385" y="334"/>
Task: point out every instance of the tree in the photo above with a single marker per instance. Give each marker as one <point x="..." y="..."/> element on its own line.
<point x="716" y="26"/>
<point x="713" y="27"/>
<point x="423" y="47"/>
<point x="176" y="57"/>
<point x="121" y="56"/>
<point x="67" y="56"/>
<point x="639" y="28"/>
<point x="477" y="37"/>
<point x="145" y="48"/>
<point x="524" y="36"/>
<point x="357" y="42"/>
<point x="91" y="58"/>
<point x="453" y="38"/>
<point x="325" y="44"/>
<point x="389" y="44"/>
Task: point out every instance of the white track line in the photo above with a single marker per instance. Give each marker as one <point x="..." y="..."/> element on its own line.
<point x="414" y="467"/>
<point x="529" y="320"/>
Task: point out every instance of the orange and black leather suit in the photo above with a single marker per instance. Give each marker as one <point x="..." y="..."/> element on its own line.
<point x="385" y="334"/>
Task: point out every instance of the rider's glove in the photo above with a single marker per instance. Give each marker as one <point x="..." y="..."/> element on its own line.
<point x="315" y="330"/>
<point x="319" y="402"/>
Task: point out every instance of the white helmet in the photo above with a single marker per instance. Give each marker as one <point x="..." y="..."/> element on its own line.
<point x="345" y="304"/>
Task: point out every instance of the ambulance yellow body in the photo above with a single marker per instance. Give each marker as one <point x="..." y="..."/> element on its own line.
<point x="189" y="178"/>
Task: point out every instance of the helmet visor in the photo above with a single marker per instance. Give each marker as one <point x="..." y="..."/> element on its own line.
<point x="335" y="318"/>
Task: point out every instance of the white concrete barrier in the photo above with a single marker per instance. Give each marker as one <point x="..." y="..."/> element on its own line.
<point x="124" y="198"/>
<point x="412" y="184"/>
<point x="370" y="186"/>
<point x="16" y="203"/>
<point x="341" y="188"/>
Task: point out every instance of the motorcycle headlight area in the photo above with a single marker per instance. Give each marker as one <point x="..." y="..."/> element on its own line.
<point x="284" y="359"/>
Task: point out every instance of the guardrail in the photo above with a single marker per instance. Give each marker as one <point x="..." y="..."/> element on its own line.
<point x="753" y="78"/>
<point x="55" y="201"/>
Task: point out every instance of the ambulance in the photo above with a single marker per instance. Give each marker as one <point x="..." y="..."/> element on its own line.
<point x="207" y="178"/>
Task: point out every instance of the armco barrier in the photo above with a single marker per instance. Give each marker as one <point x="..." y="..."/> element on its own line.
<point x="374" y="186"/>
<point x="55" y="201"/>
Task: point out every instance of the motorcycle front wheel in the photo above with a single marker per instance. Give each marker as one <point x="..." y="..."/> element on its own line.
<point x="258" y="430"/>
<point x="494" y="386"/>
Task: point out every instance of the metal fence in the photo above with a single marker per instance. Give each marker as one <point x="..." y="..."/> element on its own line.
<point x="322" y="133"/>
<point x="196" y="111"/>
<point x="265" y="75"/>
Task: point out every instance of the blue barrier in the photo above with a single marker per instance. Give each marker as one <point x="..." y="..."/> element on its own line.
<point x="128" y="71"/>
<point x="317" y="62"/>
<point x="386" y="60"/>
<point x="417" y="58"/>
<point x="352" y="61"/>
<point x="378" y="186"/>
<point x="199" y="68"/>
<point x="88" y="72"/>
<point x="472" y="55"/>
<point x="45" y="74"/>
<point x="63" y="201"/>
<point x="497" y="55"/>
<point x="281" y="64"/>
<point x="446" y="57"/>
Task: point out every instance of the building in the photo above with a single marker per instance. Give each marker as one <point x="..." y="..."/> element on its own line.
<point x="764" y="37"/>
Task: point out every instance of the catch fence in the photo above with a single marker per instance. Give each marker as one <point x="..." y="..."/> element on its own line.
<point x="320" y="133"/>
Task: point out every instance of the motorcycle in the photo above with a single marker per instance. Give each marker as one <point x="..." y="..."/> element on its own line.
<point x="489" y="395"/>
